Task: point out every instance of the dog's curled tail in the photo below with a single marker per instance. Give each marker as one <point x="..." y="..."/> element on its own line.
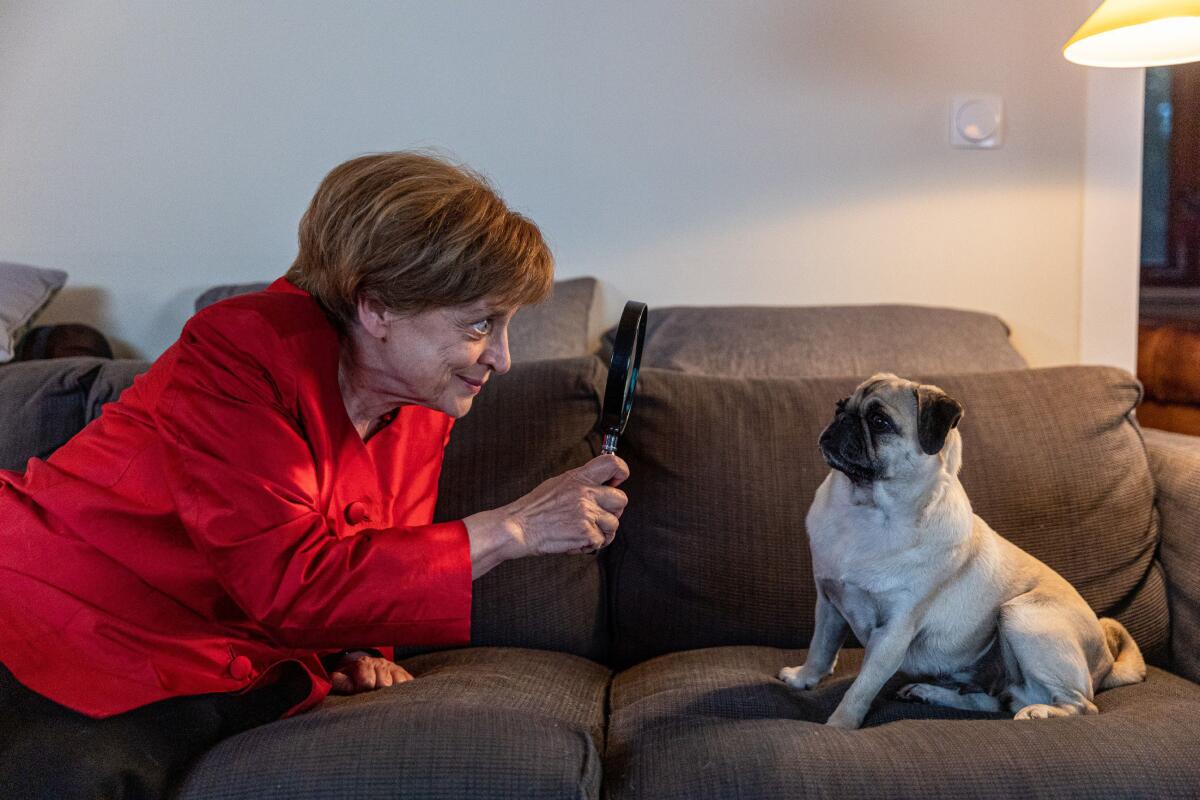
<point x="1128" y="665"/>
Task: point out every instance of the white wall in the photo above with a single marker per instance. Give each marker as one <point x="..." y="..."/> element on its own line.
<point x="769" y="151"/>
<point x="1112" y="215"/>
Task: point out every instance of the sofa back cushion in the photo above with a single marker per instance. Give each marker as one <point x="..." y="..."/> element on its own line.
<point x="712" y="549"/>
<point x="560" y="326"/>
<point x="818" y="341"/>
<point x="529" y="425"/>
<point x="43" y="403"/>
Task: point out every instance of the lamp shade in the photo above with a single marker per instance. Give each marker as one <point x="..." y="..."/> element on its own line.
<point x="1138" y="33"/>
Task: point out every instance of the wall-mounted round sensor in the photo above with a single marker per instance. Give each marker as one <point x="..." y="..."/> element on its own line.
<point x="976" y="120"/>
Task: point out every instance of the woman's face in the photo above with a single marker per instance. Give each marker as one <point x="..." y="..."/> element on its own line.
<point x="439" y="358"/>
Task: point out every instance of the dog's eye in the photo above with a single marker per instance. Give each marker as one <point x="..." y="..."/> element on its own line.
<point x="879" y="423"/>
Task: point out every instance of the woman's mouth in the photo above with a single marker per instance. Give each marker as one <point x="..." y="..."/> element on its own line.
<point x="473" y="386"/>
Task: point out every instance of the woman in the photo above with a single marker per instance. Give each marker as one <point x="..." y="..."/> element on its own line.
<point x="249" y="526"/>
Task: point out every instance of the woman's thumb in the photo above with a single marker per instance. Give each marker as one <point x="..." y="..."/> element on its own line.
<point x="603" y="468"/>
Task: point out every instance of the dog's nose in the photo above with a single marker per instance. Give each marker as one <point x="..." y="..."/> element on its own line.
<point x="826" y="437"/>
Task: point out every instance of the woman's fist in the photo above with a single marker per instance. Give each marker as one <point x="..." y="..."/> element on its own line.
<point x="575" y="512"/>
<point x="362" y="672"/>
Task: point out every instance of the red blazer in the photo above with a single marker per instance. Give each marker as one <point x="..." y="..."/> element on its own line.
<point x="224" y="517"/>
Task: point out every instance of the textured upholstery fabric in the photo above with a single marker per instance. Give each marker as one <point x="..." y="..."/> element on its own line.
<point x="718" y="724"/>
<point x="486" y="723"/>
<point x="42" y="405"/>
<point x="112" y="379"/>
<point x="556" y="328"/>
<point x="24" y="292"/>
<point x="825" y="341"/>
<point x="712" y="548"/>
<point x="527" y="426"/>
<point x="227" y="290"/>
<point x="1175" y="461"/>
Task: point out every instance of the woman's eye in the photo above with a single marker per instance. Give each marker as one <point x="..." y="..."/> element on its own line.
<point x="483" y="327"/>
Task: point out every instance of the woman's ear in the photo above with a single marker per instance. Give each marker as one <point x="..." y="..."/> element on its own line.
<point x="372" y="318"/>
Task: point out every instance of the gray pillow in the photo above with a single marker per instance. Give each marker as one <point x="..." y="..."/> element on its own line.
<point x="24" y="292"/>
<point x="223" y="291"/>
<point x="557" y="328"/>
<point x="824" y="341"/>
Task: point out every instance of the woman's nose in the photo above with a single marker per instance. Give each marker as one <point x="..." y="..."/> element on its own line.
<point x="497" y="356"/>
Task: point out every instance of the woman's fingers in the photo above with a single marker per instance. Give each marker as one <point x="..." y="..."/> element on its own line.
<point x="399" y="674"/>
<point x="342" y="683"/>
<point x="610" y="499"/>
<point x="608" y="524"/>
<point x="577" y="511"/>
<point x="367" y="673"/>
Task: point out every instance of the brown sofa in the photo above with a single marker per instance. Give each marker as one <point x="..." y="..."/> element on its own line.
<point x="648" y="671"/>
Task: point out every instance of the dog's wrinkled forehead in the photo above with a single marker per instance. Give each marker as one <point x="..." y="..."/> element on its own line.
<point x="891" y="390"/>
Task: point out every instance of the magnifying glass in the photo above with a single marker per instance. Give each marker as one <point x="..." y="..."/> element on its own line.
<point x="622" y="374"/>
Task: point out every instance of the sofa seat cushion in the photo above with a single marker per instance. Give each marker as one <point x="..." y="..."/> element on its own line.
<point x="718" y="723"/>
<point x="478" y="723"/>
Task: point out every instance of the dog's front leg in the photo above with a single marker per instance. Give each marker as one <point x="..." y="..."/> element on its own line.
<point x="884" y="655"/>
<point x="827" y="638"/>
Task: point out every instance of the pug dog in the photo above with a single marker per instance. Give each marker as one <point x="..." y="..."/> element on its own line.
<point x="929" y="589"/>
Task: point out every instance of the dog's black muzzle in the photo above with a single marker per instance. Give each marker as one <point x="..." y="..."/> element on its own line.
<point x="844" y="446"/>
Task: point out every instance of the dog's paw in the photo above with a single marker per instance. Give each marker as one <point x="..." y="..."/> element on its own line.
<point x="914" y="692"/>
<point x="797" y="678"/>
<point x="846" y="722"/>
<point x="1040" y="711"/>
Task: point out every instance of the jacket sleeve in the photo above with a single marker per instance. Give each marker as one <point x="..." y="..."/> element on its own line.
<point x="243" y="478"/>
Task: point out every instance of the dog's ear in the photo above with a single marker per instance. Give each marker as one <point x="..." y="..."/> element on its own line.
<point x="937" y="414"/>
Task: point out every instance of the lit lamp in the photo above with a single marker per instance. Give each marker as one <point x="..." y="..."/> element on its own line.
<point x="1138" y="33"/>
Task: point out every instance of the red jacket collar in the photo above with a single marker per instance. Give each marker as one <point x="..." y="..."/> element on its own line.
<point x="286" y="286"/>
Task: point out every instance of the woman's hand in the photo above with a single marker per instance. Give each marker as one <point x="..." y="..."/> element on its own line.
<point x="363" y="672"/>
<point x="576" y="512"/>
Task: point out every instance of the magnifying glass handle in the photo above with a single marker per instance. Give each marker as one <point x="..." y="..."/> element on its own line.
<point x="609" y="445"/>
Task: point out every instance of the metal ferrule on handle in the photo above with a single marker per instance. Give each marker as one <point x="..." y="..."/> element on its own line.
<point x="610" y="442"/>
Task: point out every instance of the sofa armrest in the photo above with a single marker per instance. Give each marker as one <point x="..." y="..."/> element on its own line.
<point x="1175" y="462"/>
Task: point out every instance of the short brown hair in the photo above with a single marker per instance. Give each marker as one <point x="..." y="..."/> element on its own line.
<point x="413" y="231"/>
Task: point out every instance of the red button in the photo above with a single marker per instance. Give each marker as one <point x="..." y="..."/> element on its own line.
<point x="356" y="512"/>
<point x="240" y="668"/>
